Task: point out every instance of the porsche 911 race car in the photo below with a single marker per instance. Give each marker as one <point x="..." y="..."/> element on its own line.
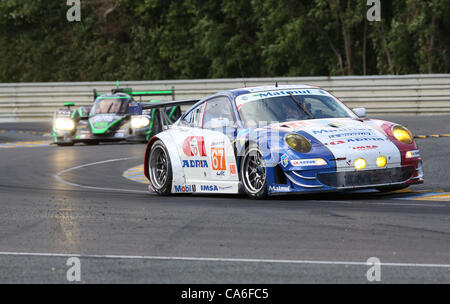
<point x="279" y="140"/>
<point x="109" y="119"/>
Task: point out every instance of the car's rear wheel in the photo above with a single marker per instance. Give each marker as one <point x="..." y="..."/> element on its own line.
<point x="253" y="173"/>
<point x="160" y="169"/>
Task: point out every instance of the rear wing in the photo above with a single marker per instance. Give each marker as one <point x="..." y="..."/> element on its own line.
<point x="140" y="94"/>
<point x="137" y="108"/>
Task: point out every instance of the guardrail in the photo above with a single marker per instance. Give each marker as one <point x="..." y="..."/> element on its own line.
<point x="410" y="94"/>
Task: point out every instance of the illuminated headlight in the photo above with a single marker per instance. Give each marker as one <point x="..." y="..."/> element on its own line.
<point x="139" y="122"/>
<point x="402" y="134"/>
<point x="360" y="164"/>
<point x="381" y="161"/>
<point x="64" y="124"/>
<point x="308" y="162"/>
<point x="298" y="143"/>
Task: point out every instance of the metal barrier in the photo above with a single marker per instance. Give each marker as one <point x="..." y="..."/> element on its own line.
<point x="410" y="94"/>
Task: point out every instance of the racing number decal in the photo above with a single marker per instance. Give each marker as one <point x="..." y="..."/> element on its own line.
<point x="218" y="159"/>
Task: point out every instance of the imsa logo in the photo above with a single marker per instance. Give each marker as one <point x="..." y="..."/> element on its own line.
<point x="209" y="188"/>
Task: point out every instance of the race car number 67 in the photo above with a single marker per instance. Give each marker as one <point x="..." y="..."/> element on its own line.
<point x="218" y="159"/>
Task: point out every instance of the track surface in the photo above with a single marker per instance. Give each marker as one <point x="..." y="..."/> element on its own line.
<point x="124" y="234"/>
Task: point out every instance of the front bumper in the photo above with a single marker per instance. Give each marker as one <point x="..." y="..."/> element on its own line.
<point x="312" y="181"/>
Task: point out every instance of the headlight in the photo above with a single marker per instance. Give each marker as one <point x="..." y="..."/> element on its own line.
<point x="360" y="164"/>
<point x="402" y="134"/>
<point x="139" y="122"/>
<point x="64" y="124"/>
<point x="381" y="161"/>
<point x="298" y="143"/>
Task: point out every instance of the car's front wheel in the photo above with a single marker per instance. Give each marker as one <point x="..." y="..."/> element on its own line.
<point x="160" y="169"/>
<point x="253" y="173"/>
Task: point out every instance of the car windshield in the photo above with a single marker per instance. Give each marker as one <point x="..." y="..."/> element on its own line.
<point x="291" y="107"/>
<point x="104" y="105"/>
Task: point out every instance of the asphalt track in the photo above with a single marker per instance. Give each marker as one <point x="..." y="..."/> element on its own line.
<point x="57" y="203"/>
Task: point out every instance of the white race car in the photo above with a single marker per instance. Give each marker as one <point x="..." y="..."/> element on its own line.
<point x="279" y="140"/>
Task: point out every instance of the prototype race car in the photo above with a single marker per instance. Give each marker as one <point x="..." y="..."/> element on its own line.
<point x="279" y="140"/>
<point x="109" y="119"/>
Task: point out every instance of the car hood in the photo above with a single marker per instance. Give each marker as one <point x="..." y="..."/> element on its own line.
<point x="100" y="123"/>
<point x="347" y="139"/>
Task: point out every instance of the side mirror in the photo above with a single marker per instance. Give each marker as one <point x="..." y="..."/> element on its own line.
<point x="361" y="112"/>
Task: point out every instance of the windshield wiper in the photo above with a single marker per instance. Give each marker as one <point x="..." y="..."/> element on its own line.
<point x="302" y="106"/>
<point x="109" y="109"/>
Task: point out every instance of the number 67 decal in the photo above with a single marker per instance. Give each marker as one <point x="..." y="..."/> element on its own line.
<point x="218" y="159"/>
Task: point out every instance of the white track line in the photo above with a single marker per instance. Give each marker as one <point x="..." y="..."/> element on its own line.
<point x="60" y="179"/>
<point x="198" y="259"/>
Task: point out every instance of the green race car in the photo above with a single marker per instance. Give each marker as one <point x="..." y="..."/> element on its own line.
<point x="109" y="119"/>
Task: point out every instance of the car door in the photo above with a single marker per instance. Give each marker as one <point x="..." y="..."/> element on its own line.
<point x="207" y="155"/>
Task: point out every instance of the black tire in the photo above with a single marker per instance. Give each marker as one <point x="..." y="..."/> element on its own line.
<point x="253" y="173"/>
<point x="64" y="144"/>
<point x="159" y="164"/>
<point x="392" y="188"/>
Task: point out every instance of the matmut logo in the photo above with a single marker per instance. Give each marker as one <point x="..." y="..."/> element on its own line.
<point x="194" y="146"/>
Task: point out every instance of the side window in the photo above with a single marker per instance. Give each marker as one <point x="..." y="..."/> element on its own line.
<point x="218" y="109"/>
<point x="186" y="121"/>
<point x="194" y="117"/>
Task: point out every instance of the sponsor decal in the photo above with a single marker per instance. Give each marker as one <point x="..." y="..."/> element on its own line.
<point x="218" y="159"/>
<point x="101" y="124"/>
<point x="218" y="143"/>
<point x="278" y="189"/>
<point x="255" y="95"/>
<point x="308" y="162"/>
<point x="327" y="131"/>
<point x="284" y="160"/>
<point x="226" y="188"/>
<point x="365" y="148"/>
<point x="354" y="140"/>
<point x="282" y="93"/>
<point x="354" y="134"/>
<point x="195" y="164"/>
<point x="220" y="173"/>
<point x="209" y="188"/>
<point x="233" y="170"/>
<point x="194" y="146"/>
<point x="185" y="189"/>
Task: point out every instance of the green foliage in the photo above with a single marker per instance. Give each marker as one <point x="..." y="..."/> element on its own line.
<point x="181" y="39"/>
